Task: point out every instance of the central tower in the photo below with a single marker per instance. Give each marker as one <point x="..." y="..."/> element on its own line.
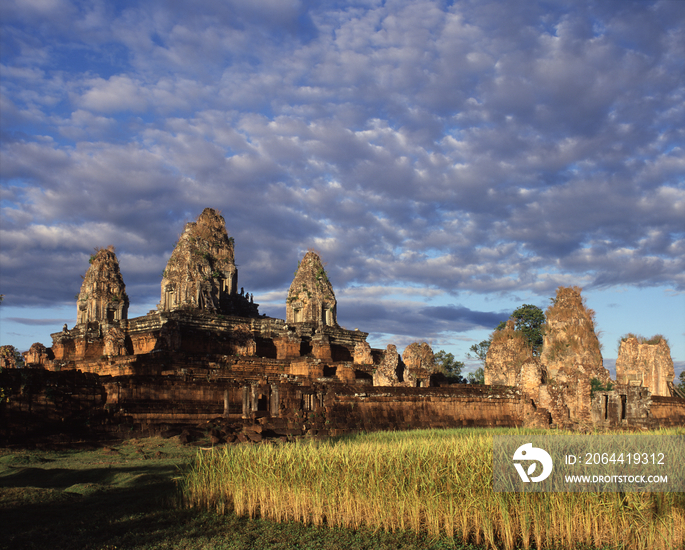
<point x="201" y="272"/>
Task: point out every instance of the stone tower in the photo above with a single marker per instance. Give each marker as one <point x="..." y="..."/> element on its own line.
<point x="201" y="272"/>
<point x="645" y="363"/>
<point x="507" y="353"/>
<point x="103" y="296"/>
<point x="570" y="343"/>
<point x="571" y="353"/>
<point x="311" y="298"/>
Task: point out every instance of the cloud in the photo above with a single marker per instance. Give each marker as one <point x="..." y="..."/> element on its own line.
<point x="484" y="147"/>
<point x="37" y="322"/>
<point x="118" y="93"/>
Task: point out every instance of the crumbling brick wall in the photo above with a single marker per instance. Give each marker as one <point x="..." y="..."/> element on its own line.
<point x="39" y="403"/>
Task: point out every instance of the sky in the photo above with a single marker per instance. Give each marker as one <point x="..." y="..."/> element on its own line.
<point x="449" y="161"/>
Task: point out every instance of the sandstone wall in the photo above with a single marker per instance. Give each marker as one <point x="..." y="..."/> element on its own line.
<point x="508" y="351"/>
<point x="645" y="363"/>
<point x="171" y="400"/>
<point x="376" y="408"/>
<point x="668" y="411"/>
<point x="39" y="404"/>
<point x="623" y="406"/>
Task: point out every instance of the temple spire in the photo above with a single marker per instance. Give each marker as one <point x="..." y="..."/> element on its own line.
<point x="311" y="298"/>
<point x="103" y="294"/>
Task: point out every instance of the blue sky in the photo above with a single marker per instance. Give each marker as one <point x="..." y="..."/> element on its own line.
<point x="450" y="161"/>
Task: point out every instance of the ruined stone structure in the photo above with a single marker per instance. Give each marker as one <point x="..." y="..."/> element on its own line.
<point x="102" y="298"/>
<point x="206" y="351"/>
<point x="391" y="370"/>
<point x="38" y="354"/>
<point x="570" y="343"/>
<point x="310" y="297"/>
<point x="572" y="355"/>
<point x="362" y="354"/>
<point x="560" y="382"/>
<point x="201" y="274"/>
<point x="622" y="405"/>
<point x="645" y="363"/>
<point x="414" y="369"/>
<point x="8" y="359"/>
<point x="508" y="351"/>
<point x="419" y="363"/>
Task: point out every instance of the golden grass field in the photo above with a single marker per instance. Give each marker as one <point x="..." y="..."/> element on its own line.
<point x="433" y="481"/>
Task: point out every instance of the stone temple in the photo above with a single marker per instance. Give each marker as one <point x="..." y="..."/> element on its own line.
<point x="207" y="352"/>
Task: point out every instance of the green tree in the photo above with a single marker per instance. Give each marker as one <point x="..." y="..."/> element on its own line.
<point x="529" y="320"/>
<point x="479" y="351"/>
<point x="681" y="385"/>
<point x="447" y="365"/>
<point x="597" y="386"/>
<point x="476" y="377"/>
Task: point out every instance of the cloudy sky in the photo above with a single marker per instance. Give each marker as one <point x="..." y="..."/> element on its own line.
<point x="450" y="161"/>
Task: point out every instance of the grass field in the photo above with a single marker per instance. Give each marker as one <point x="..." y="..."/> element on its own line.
<point x="127" y="496"/>
<point x="433" y="481"/>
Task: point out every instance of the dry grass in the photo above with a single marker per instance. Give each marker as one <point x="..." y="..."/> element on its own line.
<point x="439" y="482"/>
<point x="508" y="333"/>
<point x="654" y="340"/>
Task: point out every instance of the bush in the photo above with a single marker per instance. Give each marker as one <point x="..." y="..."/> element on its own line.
<point x="596" y="385"/>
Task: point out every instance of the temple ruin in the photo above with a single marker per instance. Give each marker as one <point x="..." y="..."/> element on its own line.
<point x="206" y="352"/>
<point x="507" y="353"/>
<point x="102" y="298"/>
<point x="201" y="274"/>
<point x="645" y="363"/>
<point x="311" y="298"/>
<point x="568" y="385"/>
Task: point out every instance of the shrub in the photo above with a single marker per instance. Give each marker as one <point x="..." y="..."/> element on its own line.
<point x="596" y="386"/>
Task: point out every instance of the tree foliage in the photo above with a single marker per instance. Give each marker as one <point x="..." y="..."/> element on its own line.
<point x="479" y="351"/>
<point x="529" y="320"/>
<point x="597" y="386"/>
<point x="449" y="366"/>
<point x="681" y="385"/>
<point x="476" y="377"/>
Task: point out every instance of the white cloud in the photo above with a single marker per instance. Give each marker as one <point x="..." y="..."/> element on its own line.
<point x="482" y="147"/>
<point x="118" y="93"/>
